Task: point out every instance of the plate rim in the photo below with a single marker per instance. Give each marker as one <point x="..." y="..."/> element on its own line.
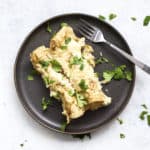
<point x="31" y="112"/>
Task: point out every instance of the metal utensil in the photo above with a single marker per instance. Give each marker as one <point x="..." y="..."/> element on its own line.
<point x="95" y="35"/>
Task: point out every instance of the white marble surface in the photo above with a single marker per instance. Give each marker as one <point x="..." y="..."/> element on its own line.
<point x="18" y="18"/>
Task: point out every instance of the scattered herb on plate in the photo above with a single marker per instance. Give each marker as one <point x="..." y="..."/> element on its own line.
<point x="44" y="64"/>
<point x="81" y="100"/>
<point x="30" y="78"/>
<point x="101" y="60"/>
<point x="112" y="16"/>
<point x="82" y="136"/>
<point x="48" y="28"/>
<point x="63" y="47"/>
<point x="101" y="17"/>
<point x="47" y="81"/>
<point x="133" y="18"/>
<point x="45" y="103"/>
<point x="83" y="85"/>
<point x="67" y="41"/>
<point x="120" y="121"/>
<point x="63" y="126"/>
<point x="56" y="65"/>
<point x="146" y="21"/>
<point x="122" y="136"/>
<point x="63" y="24"/>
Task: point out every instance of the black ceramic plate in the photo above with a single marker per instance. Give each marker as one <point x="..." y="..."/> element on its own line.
<point x="31" y="92"/>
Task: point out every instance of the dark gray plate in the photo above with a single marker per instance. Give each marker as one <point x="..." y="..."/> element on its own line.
<point x="31" y="92"/>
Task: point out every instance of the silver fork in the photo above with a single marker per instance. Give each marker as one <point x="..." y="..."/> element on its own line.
<point x="95" y="35"/>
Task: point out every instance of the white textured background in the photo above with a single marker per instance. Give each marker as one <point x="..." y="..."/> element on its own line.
<point x="17" y="19"/>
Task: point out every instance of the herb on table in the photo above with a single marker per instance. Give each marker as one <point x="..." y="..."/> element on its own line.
<point x="101" y="17"/>
<point x="44" y="64"/>
<point x="81" y="100"/>
<point x="63" y="47"/>
<point x="49" y="28"/>
<point x="101" y="60"/>
<point x="148" y="120"/>
<point x="45" y="103"/>
<point x="82" y="136"/>
<point x="120" y="121"/>
<point x="63" y="24"/>
<point x="144" y="106"/>
<point x="67" y="41"/>
<point x="146" y="21"/>
<point x="63" y="126"/>
<point x="142" y="115"/>
<point x="112" y="16"/>
<point x="83" y="85"/>
<point x="71" y="92"/>
<point x="22" y="145"/>
<point x="122" y="136"/>
<point x="56" y="65"/>
<point x="133" y="18"/>
<point x="77" y="61"/>
<point x="30" y="77"/>
<point x="118" y="73"/>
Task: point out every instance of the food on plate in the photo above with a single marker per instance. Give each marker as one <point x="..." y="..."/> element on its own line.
<point x="67" y="68"/>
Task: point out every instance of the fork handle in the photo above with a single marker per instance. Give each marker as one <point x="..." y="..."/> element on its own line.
<point x="135" y="61"/>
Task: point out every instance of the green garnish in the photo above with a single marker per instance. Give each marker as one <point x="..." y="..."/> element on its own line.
<point x="112" y="16"/>
<point x="97" y="74"/>
<point x="122" y="136"/>
<point x="44" y="64"/>
<point x="77" y="61"/>
<point x="71" y="92"/>
<point x="67" y="41"/>
<point x="56" y="65"/>
<point x="63" y="24"/>
<point x="81" y="100"/>
<point x="133" y="18"/>
<point x="101" y="17"/>
<point x="120" y="121"/>
<point x="21" y="144"/>
<point x="63" y="47"/>
<point x="144" y="106"/>
<point x="47" y="81"/>
<point x="118" y="73"/>
<point x="49" y="28"/>
<point x="82" y="136"/>
<point x="30" y="77"/>
<point x="83" y="85"/>
<point x="146" y="21"/>
<point x="45" y="103"/>
<point x="148" y="120"/>
<point x="142" y="115"/>
<point x="101" y="60"/>
<point x="63" y="126"/>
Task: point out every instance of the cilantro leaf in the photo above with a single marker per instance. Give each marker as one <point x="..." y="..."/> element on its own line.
<point x="148" y="120"/>
<point x="30" y="78"/>
<point x="112" y="16"/>
<point x="45" y="103"/>
<point x="63" y="126"/>
<point x="67" y="41"/>
<point x="81" y="100"/>
<point x="44" y="64"/>
<point x="63" y="24"/>
<point x="144" y="106"/>
<point x="122" y="136"/>
<point x="101" y="17"/>
<point x="101" y="60"/>
<point x="56" y="65"/>
<point x="128" y="75"/>
<point x="83" y="85"/>
<point x="47" y="81"/>
<point x="108" y="75"/>
<point x="120" y="121"/>
<point x="63" y="47"/>
<point x="146" y="21"/>
<point x="71" y="92"/>
<point x="142" y="115"/>
<point x="133" y="18"/>
<point x="82" y="136"/>
<point x="49" y="28"/>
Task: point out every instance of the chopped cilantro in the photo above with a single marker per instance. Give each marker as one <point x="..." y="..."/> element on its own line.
<point x="144" y="106"/>
<point x="63" y="47"/>
<point x="47" y="81"/>
<point x="122" y="136"/>
<point x="97" y="74"/>
<point x="81" y="66"/>
<point x="148" y="120"/>
<point x="44" y="64"/>
<point x="120" y="121"/>
<point x="30" y="77"/>
<point x="118" y="73"/>
<point x="82" y="136"/>
<point x="71" y="92"/>
<point x="83" y="85"/>
<point x="63" y="126"/>
<point x="101" y="17"/>
<point x="133" y="18"/>
<point x="101" y="60"/>
<point x="56" y="65"/>
<point x="146" y="21"/>
<point x="49" y="28"/>
<point x="67" y="41"/>
<point x="142" y="115"/>
<point x="81" y="100"/>
<point x="63" y="24"/>
<point x="45" y="103"/>
<point x="112" y="16"/>
<point x="34" y="72"/>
